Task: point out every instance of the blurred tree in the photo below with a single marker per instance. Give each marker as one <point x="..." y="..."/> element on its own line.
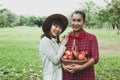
<point x="114" y="10"/>
<point x="8" y="19"/>
<point x="3" y="20"/>
<point x="21" y="21"/>
<point x="91" y="10"/>
<point x="39" y="21"/>
<point x="30" y="20"/>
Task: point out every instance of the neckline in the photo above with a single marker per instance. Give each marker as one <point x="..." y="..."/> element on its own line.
<point x="79" y="36"/>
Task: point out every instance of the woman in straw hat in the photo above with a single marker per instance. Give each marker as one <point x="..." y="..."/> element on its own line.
<point x="51" y="48"/>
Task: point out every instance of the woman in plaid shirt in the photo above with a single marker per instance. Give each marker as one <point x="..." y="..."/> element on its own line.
<point x="85" y="42"/>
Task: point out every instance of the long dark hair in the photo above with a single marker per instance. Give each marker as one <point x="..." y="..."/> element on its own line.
<point x="56" y="21"/>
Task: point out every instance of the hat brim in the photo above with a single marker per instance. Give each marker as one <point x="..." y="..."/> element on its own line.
<point x="51" y="17"/>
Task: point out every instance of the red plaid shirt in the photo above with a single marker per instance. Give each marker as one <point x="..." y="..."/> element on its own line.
<point x="87" y="43"/>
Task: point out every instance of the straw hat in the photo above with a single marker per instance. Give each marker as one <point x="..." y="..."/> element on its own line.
<point x="54" y="16"/>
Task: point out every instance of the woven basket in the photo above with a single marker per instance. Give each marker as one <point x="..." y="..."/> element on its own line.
<point x="80" y="62"/>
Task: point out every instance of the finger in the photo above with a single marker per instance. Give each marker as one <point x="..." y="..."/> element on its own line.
<point x="71" y="71"/>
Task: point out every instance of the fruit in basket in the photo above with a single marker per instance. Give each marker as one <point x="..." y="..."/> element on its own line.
<point x="81" y="57"/>
<point x="84" y="52"/>
<point x="65" y="57"/>
<point x="68" y="55"/>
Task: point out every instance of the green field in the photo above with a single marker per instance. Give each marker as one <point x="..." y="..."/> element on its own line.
<point x="20" y="57"/>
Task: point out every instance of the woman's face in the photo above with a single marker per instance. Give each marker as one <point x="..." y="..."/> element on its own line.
<point x="77" y="22"/>
<point x="55" y="30"/>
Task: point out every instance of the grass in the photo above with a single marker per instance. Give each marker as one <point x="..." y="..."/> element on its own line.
<point x="19" y="54"/>
<point x="20" y="57"/>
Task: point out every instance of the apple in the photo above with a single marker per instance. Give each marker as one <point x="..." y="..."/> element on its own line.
<point x="70" y="57"/>
<point x="68" y="53"/>
<point x="84" y="52"/>
<point x="65" y="57"/>
<point x="81" y="56"/>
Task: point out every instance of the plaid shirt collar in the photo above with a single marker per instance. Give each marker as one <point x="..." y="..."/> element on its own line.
<point x="79" y="36"/>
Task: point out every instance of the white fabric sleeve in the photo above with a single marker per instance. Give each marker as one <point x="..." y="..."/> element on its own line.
<point x="47" y="49"/>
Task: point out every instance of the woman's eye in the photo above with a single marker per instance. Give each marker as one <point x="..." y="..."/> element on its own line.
<point x="73" y="20"/>
<point x="78" y="20"/>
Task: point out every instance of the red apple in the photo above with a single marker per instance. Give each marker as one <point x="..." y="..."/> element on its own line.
<point x="81" y="57"/>
<point x="70" y="57"/>
<point x="68" y="53"/>
<point x="84" y="52"/>
<point x="65" y="57"/>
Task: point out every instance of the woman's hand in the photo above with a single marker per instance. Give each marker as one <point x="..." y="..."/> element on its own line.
<point x="75" y="68"/>
<point x="64" y="40"/>
<point x="65" y="67"/>
<point x="72" y="68"/>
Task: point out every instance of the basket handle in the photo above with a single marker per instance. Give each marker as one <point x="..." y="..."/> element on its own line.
<point x="74" y="49"/>
<point x="74" y="46"/>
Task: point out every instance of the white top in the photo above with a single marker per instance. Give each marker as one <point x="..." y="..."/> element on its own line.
<point x="51" y="53"/>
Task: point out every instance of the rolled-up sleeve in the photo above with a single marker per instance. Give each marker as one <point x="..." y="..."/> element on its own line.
<point x="94" y="49"/>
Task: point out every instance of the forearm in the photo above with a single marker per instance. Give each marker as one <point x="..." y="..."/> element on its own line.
<point x="89" y="63"/>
